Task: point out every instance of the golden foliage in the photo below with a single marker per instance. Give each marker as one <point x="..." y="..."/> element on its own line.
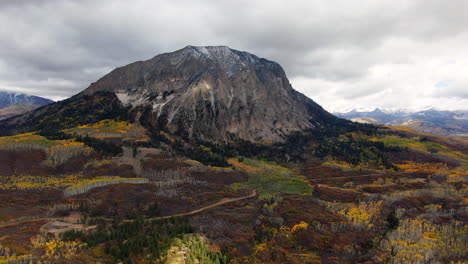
<point x="23" y="182"/>
<point x="26" y="141"/>
<point x="260" y="247"/>
<point x="361" y="215"/>
<point x="301" y="225"/>
<point x="428" y="147"/>
<point x="421" y="241"/>
<point x="244" y="167"/>
<point x="86" y="185"/>
<point x="57" y="249"/>
<point x="98" y="163"/>
<point x="429" y="168"/>
<point x="16" y="259"/>
<point x="436" y="169"/>
<point x="112" y="129"/>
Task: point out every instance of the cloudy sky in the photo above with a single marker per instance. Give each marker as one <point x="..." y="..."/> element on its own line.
<point x="343" y="54"/>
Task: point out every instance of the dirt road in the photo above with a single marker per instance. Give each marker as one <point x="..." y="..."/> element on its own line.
<point x="219" y="203"/>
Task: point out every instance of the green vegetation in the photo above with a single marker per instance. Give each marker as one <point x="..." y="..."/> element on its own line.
<point x="124" y="241"/>
<point x="270" y="179"/>
<point x="291" y="150"/>
<point x="198" y="252"/>
<point x="393" y="221"/>
<point x="356" y="150"/>
<point x="71" y="235"/>
<point x="26" y="141"/>
<point x="200" y="153"/>
<point x="72" y="112"/>
<point x="106" y="148"/>
<point x="423" y="145"/>
<point x="101" y="146"/>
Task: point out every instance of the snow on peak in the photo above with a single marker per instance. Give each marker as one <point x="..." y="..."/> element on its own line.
<point x="229" y="59"/>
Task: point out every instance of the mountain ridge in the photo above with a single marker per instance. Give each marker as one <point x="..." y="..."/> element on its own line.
<point x="442" y="122"/>
<point x="211" y="93"/>
<point x="12" y="104"/>
<point x="8" y="99"/>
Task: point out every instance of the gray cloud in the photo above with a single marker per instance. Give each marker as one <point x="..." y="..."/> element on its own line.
<point x="343" y="54"/>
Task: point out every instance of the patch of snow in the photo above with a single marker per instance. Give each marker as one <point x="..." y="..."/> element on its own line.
<point x="231" y="60"/>
<point x="463" y="116"/>
<point x="203" y="50"/>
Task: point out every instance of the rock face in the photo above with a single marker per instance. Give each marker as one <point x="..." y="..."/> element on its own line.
<point x="208" y="93"/>
<point x="214" y="93"/>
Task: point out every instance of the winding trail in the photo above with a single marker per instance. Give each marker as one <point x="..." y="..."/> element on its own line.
<point x="219" y="203"/>
<point x="196" y="211"/>
<point x="346" y="177"/>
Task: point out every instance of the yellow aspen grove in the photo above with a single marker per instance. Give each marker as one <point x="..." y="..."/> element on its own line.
<point x="88" y="185"/>
<point x="60" y="154"/>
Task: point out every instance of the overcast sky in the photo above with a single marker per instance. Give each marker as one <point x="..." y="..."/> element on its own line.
<point x="343" y="54"/>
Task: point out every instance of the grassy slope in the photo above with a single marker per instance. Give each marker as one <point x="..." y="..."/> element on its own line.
<point x="270" y="178"/>
<point x="13" y="111"/>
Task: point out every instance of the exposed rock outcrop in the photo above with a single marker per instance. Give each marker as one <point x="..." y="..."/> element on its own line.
<point x="214" y="92"/>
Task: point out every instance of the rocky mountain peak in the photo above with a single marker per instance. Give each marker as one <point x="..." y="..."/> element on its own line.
<point x="224" y="55"/>
<point x="213" y="93"/>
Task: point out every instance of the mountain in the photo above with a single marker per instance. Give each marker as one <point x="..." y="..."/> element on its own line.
<point x="136" y="169"/>
<point x="211" y="93"/>
<point x="8" y="99"/>
<point x="12" y="104"/>
<point x="446" y="123"/>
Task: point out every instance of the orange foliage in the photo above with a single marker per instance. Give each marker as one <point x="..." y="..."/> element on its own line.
<point x="244" y="167"/>
<point x="430" y="168"/>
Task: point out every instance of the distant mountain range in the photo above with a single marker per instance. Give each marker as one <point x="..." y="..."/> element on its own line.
<point x="446" y="123"/>
<point x="12" y="104"/>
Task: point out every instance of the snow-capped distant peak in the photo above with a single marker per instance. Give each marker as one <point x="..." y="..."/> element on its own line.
<point x="8" y="99"/>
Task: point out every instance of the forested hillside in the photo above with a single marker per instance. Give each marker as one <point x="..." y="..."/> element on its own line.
<point x="110" y="192"/>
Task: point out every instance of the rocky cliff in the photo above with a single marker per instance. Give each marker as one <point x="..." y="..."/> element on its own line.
<point x="214" y="92"/>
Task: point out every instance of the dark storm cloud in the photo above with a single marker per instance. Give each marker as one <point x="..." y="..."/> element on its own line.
<point x="342" y="53"/>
